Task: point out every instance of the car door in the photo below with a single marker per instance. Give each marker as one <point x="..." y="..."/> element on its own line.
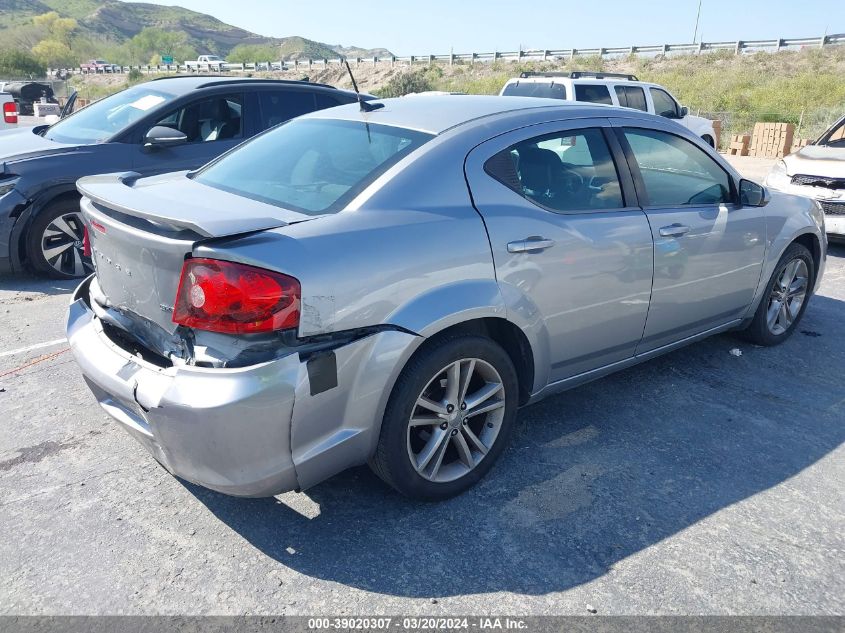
<point x="708" y="248"/>
<point x="213" y="124"/>
<point x="570" y="244"/>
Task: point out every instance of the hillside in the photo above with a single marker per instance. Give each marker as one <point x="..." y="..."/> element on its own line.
<point x="803" y="87"/>
<point x="116" y="22"/>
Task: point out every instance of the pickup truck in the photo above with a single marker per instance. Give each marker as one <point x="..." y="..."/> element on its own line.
<point x="10" y="111"/>
<point x="207" y="62"/>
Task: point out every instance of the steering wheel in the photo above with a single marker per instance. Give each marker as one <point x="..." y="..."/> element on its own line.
<point x="571" y="182"/>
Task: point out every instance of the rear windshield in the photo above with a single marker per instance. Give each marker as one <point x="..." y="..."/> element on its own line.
<point x="549" y="90"/>
<point x="313" y="166"/>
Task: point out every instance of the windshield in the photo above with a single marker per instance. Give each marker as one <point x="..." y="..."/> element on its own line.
<point x="835" y="136"/>
<point x="549" y="90"/>
<point x="312" y="166"/>
<point x="103" y="119"/>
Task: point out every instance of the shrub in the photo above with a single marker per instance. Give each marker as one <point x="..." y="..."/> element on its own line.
<point x="16" y="63"/>
<point x="135" y="76"/>
<point x="405" y="83"/>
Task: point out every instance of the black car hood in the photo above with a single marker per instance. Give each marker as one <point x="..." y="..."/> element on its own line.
<point x="22" y="144"/>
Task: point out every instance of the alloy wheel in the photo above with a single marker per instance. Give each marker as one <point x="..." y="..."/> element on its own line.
<point x="787" y="296"/>
<point x="456" y="420"/>
<point x="62" y="245"/>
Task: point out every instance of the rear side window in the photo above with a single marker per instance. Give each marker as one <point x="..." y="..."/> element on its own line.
<point x="664" y="104"/>
<point x="282" y="105"/>
<point x="675" y="172"/>
<point x="549" y="90"/>
<point x="313" y="166"/>
<point x="325" y="101"/>
<point x="631" y="97"/>
<point x="594" y="93"/>
<point x="567" y="171"/>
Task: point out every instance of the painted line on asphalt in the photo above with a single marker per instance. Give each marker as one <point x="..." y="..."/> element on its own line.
<point x="23" y="350"/>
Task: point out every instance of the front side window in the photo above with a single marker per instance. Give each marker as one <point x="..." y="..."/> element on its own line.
<point x="594" y="93"/>
<point x="216" y="118"/>
<point x="313" y="166"/>
<point x="568" y="171"/>
<point x="108" y="117"/>
<point x="631" y="97"/>
<point x="549" y="90"/>
<point x="664" y="104"/>
<point x="675" y="172"/>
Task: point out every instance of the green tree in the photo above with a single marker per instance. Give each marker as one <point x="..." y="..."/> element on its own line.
<point x="153" y="42"/>
<point x="54" y="54"/>
<point x="59" y="29"/>
<point x="248" y="53"/>
<point x="16" y="63"/>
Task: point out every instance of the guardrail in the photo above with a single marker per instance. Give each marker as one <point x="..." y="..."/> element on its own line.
<point x="737" y="47"/>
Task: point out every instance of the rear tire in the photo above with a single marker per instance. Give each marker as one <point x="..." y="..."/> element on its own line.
<point x="787" y="294"/>
<point x="54" y="244"/>
<point x="469" y="390"/>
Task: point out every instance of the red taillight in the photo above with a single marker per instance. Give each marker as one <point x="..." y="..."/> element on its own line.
<point x="221" y="296"/>
<point x="10" y="112"/>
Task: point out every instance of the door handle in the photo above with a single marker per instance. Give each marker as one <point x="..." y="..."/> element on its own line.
<point x="674" y="230"/>
<point x="532" y="244"/>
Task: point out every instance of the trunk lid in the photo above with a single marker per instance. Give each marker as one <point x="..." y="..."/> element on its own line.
<point x="141" y="231"/>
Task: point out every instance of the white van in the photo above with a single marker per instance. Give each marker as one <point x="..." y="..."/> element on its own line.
<point x="611" y="88"/>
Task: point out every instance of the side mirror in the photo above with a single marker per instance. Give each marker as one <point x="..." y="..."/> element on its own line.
<point x="753" y="195"/>
<point x="683" y="112"/>
<point x="161" y="136"/>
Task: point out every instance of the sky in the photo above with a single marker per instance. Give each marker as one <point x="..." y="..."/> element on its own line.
<point x="465" y="26"/>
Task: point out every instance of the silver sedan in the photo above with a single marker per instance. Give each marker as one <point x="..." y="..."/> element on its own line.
<point x="389" y="285"/>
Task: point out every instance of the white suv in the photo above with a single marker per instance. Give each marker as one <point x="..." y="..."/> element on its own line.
<point x="610" y="88"/>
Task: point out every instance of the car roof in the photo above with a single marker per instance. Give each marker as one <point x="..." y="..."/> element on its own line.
<point x="181" y="85"/>
<point x="435" y="114"/>
<point x="581" y="80"/>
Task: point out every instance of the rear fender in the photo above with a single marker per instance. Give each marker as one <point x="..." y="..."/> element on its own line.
<point x="463" y="301"/>
<point x="445" y="306"/>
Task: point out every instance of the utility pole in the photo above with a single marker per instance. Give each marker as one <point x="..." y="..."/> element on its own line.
<point x="697" y="16"/>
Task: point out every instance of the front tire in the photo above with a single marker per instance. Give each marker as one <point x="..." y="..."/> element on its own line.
<point x="787" y="294"/>
<point x="448" y="418"/>
<point x="55" y="241"/>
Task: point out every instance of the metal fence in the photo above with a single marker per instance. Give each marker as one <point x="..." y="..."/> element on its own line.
<point x="738" y="47"/>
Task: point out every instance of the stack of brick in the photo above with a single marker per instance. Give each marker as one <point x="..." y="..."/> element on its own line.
<point x="739" y="145"/>
<point x="772" y="140"/>
<point x="798" y="143"/>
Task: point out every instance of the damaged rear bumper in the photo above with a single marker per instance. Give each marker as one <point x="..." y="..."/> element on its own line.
<point x="251" y="431"/>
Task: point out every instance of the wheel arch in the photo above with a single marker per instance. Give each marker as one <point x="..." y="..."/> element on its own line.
<point x="813" y="244"/>
<point x="503" y="332"/>
<point x="42" y="201"/>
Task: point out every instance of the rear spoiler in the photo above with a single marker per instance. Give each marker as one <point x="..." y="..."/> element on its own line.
<point x="159" y="204"/>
